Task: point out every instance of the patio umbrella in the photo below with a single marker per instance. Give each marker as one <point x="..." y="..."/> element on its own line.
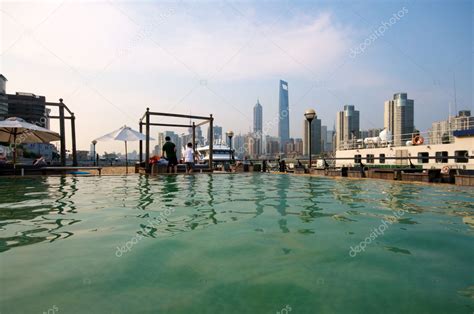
<point x="17" y="131"/>
<point x="125" y="134"/>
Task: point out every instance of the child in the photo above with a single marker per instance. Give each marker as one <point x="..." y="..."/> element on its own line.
<point x="189" y="158"/>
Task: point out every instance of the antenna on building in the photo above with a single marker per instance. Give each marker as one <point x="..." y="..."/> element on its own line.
<point x="455" y="103"/>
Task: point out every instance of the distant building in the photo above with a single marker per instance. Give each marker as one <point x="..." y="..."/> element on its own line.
<point x="253" y="144"/>
<point x="284" y="116"/>
<point x="257" y="118"/>
<point x="328" y="144"/>
<point x="29" y="107"/>
<point x="399" y="118"/>
<point x="238" y="146"/>
<point x="316" y="147"/>
<point x="217" y="134"/>
<point x="370" y="133"/>
<point x="347" y="126"/>
<point x="272" y="146"/>
<point x="442" y="131"/>
<point x="3" y="98"/>
<point x="298" y="146"/>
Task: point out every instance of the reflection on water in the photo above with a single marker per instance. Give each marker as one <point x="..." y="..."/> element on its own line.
<point x="44" y="209"/>
<point x="233" y="243"/>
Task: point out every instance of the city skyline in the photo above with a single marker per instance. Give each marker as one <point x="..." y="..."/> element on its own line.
<point x="115" y="70"/>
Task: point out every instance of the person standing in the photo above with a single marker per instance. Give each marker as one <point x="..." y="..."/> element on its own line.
<point x="169" y="148"/>
<point x="189" y="158"/>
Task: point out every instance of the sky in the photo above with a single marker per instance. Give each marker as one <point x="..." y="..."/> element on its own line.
<point x="110" y="60"/>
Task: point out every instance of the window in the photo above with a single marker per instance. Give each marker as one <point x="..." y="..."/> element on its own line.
<point x="370" y="158"/>
<point x="423" y="158"/>
<point x="382" y="158"/>
<point x="357" y="159"/>
<point x="461" y="156"/>
<point x="442" y="157"/>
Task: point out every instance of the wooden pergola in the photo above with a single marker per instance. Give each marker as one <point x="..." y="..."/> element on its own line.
<point x="145" y="120"/>
<point x="62" y="132"/>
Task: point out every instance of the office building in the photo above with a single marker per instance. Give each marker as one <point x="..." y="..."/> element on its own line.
<point x="399" y="118"/>
<point x="257" y="118"/>
<point x="3" y="98"/>
<point x="284" y="116"/>
<point x="347" y="127"/>
<point x="29" y="107"/>
<point x="442" y="131"/>
<point x="217" y="134"/>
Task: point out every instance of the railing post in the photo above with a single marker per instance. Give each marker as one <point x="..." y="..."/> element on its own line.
<point x="140" y="146"/>
<point x="73" y="140"/>
<point x="147" y="141"/>
<point x="61" y="133"/>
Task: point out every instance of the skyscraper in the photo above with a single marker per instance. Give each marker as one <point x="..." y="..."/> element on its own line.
<point x="315" y="137"/>
<point x="347" y="127"/>
<point x="257" y="118"/>
<point x="217" y="134"/>
<point x="284" y="116"/>
<point x="3" y="98"/>
<point x="399" y="118"/>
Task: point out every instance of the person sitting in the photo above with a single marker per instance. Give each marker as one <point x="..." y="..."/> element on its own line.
<point x="40" y="162"/>
<point x="189" y="158"/>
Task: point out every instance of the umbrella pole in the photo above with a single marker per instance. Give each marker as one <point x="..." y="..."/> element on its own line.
<point x="14" y="148"/>
<point x="126" y="158"/>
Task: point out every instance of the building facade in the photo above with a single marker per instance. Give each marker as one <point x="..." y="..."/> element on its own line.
<point x="29" y="107"/>
<point x="284" y="116"/>
<point x="399" y="117"/>
<point x="3" y="98"/>
<point x="442" y="132"/>
<point x="258" y="118"/>
<point x="347" y="126"/>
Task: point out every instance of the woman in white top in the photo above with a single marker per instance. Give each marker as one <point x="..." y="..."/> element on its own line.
<point x="189" y="158"/>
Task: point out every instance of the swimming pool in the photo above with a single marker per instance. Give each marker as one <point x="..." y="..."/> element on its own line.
<point x="243" y="243"/>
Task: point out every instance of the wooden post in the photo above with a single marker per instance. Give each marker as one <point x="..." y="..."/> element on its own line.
<point x="140" y="148"/>
<point x="211" y="142"/>
<point x="73" y="140"/>
<point x="62" y="133"/>
<point x="147" y="141"/>
<point x="194" y="139"/>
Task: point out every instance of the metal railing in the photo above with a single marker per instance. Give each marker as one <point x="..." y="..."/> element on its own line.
<point x="431" y="137"/>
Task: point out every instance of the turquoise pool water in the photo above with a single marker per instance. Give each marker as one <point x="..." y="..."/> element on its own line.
<point x="261" y="243"/>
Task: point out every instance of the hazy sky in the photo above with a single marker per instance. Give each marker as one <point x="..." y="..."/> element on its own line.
<point x="109" y="60"/>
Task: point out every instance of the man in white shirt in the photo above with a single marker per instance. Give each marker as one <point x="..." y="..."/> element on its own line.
<point x="189" y="158"/>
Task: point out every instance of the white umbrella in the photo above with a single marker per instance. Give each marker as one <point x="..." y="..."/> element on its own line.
<point x="16" y="131"/>
<point x="125" y="134"/>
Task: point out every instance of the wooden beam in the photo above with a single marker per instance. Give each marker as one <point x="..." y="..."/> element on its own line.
<point x="178" y="115"/>
<point x="172" y="125"/>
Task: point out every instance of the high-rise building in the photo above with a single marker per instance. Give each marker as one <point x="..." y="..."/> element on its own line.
<point x="29" y="107"/>
<point x="442" y="131"/>
<point x="272" y="146"/>
<point x="253" y="145"/>
<point x="238" y="146"/>
<point x="315" y="136"/>
<point x="298" y="146"/>
<point x="217" y="133"/>
<point x="347" y="127"/>
<point x="3" y="98"/>
<point x="257" y="118"/>
<point x="399" y="118"/>
<point x="284" y="116"/>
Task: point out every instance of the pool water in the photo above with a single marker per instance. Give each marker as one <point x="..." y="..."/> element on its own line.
<point x="256" y="243"/>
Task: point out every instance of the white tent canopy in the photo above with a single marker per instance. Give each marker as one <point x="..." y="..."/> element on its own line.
<point x="125" y="134"/>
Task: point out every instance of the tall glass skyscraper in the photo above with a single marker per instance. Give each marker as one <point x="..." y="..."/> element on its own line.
<point x="284" y="116"/>
<point x="257" y="118"/>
